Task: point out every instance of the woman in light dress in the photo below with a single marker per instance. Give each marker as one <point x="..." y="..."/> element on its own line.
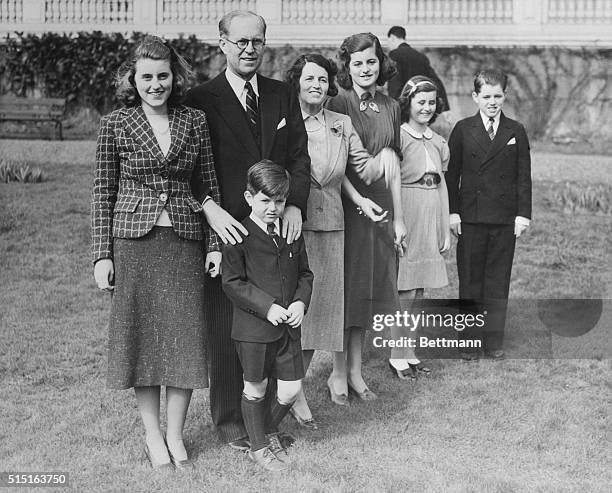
<point x="334" y="147"/>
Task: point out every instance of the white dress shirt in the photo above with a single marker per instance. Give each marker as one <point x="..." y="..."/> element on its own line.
<point x="486" y="123"/>
<point x="237" y="84"/>
<point x="313" y="121"/>
<point x="264" y="226"/>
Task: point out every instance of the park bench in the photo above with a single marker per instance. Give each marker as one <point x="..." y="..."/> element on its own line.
<point x="33" y="110"/>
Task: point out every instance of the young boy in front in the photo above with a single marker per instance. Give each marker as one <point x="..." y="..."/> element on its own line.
<point x="489" y="191"/>
<point x="269" y="284"/>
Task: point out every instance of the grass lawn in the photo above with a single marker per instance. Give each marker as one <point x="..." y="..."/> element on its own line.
<point x="537" y="424"/>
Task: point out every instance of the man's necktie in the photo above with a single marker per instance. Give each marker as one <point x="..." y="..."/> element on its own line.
<point x="272" y="233"/>
<point x="367" y="101"/>
<point x="491" y="130"/>
<point x="251" y="106"/>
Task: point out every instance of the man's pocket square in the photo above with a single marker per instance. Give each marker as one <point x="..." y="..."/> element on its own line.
<point x="511" y="141"/>
<point x="281" y="124"/>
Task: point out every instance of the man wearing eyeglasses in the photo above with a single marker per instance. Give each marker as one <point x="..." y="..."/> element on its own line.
<point x="250" y="118"/>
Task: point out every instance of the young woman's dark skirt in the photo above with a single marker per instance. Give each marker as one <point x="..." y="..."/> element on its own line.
<point x="157" y="326"/>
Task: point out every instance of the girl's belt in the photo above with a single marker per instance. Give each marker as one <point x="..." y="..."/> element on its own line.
<point x="428" y="180"/>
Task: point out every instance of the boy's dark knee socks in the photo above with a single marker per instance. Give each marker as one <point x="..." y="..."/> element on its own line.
<point x="270" y="399"/>
<point x="254" y="416"/>
<point x="277" y="412"/>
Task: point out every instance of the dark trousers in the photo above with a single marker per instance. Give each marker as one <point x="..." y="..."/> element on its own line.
<point x="225" y="370"/>
<point x="484" y="262"/>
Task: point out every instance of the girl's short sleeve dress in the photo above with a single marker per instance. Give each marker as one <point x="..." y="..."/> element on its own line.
<point x="422" y="265"/>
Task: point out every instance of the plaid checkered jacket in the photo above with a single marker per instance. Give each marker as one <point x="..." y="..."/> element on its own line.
<point x="134" y="181"/>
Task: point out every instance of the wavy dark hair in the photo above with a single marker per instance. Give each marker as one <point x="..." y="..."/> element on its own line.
<point x="268" y="178"/>
<point x="417" y="84"/>
<point x="292" y="76"/>
<point x="360" y="42"/>
<point x="154" y="48"/>
<point x="491" y="76"/>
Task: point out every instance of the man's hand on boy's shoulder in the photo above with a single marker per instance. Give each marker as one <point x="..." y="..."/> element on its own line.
<point x="229" y="229"/>
<point x="296" y="313"/>
<point x="292" y="223"/>
<point x="277" y="314"/>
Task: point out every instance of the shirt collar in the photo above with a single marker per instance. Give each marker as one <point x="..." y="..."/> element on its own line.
<point x="428" y="134"/>
<point x="360" y="90"/>
<point x="319" y="116"/>
<point x="237" y="83"/>
<point x="485" y="119"/>
<point x="264" y="226"/>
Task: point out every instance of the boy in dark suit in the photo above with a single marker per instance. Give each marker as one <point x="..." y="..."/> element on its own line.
<point x="489" y="190"/>
<point x="269" y="284"/>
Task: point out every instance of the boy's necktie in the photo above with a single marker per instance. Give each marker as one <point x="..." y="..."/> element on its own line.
<point x="491" y="130"/>
<point x="272" y="233"/>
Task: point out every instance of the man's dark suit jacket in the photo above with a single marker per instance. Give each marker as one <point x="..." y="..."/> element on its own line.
<point x="235" y="149"/>
<point x="411" y="62"/>
<point x="256" y="274"/>
<point x="489" y="181"/>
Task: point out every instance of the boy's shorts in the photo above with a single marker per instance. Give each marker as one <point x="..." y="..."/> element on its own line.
<point x="281" y="359"/>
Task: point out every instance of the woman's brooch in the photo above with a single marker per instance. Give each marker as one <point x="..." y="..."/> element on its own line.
<point x="337" y="128"/>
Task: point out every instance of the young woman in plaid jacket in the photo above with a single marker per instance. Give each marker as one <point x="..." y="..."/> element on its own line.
<point x="154" y="223"/>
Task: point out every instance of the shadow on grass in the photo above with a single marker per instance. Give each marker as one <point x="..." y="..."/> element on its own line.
<point x="514" y="425"/>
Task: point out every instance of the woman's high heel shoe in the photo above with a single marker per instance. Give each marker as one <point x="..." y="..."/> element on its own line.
<point x="159" y="466"/>
<point x="308" y="423"/>
<point x="366" y="395"/>
<point x="339" y="399"/>
<point x="419" y="368"/>
<point x="406" y="374"/>
<point x="185" y="464"/>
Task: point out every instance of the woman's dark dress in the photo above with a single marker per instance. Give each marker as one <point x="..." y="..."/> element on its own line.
<point x="370" y="259"/>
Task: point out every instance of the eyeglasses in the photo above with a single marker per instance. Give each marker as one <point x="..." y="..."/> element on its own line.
<point x="257" y="43"/>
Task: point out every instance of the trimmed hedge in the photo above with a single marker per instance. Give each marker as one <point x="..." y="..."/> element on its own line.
<point x="558" y="93"/>
<point x="80" y="67"/>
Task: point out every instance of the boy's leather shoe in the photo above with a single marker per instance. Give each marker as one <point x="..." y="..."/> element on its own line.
<point x="275" y="445"/>
<point x="265" y="458"/>
<point x="286" y="439"/>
